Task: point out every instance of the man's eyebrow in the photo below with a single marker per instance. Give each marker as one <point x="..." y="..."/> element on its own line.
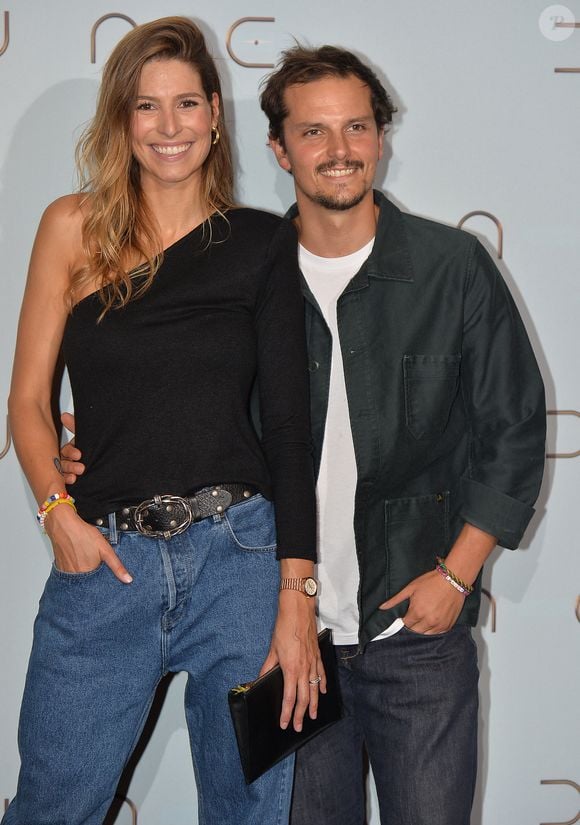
<point x="308" y="124"/>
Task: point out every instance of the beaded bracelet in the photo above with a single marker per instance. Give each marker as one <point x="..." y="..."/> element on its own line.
<point x="461" y="586"/>
<point x="51" y="502"/>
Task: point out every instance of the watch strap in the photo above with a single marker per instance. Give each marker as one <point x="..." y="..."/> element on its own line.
<point x="299" y="584"/>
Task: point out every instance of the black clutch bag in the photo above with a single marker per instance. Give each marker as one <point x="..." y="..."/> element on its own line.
<point x="256" y="709"/>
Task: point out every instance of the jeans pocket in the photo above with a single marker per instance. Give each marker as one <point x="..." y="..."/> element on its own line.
<point x="410" y="630"/>
<point x="251" y="524"/>
<point x="431" y="383"/>
<point x="416" y="530"/>
<point x="65" y="574"/>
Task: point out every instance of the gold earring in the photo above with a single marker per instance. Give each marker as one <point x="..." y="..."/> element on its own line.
<point x="214" y="129"/>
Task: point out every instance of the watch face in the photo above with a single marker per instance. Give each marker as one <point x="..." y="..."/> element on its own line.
<point x="310" y="587"/>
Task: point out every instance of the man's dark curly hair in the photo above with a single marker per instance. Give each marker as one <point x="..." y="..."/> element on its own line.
<point x="303" y="65"/>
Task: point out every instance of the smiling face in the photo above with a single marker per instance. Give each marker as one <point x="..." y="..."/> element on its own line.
<point x="331" y="143"/>
<point x="171" y="123"/>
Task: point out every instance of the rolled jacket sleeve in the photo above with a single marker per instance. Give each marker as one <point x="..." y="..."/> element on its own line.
<point x="503" y="394"/>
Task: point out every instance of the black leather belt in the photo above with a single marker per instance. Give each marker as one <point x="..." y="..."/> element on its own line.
<point x="164" y="516"/>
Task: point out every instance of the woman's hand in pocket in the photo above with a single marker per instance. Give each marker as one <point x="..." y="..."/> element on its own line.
<point x="79" y="547"/>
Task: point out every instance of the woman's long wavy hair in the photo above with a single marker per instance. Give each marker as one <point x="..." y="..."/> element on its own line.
<point x="118" y="229"/>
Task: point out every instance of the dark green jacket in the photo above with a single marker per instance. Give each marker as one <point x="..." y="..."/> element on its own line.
<point x="446" y="404"/>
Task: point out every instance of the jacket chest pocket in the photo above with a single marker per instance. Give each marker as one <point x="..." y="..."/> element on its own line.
<point x="431" y="383"/>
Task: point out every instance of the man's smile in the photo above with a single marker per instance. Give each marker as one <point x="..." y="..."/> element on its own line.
<point x="338" y="173"/>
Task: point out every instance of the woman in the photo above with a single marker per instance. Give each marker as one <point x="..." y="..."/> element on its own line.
<point x="168" y="303"/>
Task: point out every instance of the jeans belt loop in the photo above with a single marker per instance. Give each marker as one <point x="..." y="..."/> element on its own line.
<point x="113" y="536"/>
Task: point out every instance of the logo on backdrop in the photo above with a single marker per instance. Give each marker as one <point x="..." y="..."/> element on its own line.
<point x="8" y="440"/>
<point x="493" y="219"/>
<point x="6" y="39"/>
<point x="562" y="782"/>
<point x="557" y="23"/>
<point x="132" y="807"/>
<point x="254" y="41"/>
<point x="492" y="608"/>
<point x="113" y="15"/>
<point x="574" y="454"/>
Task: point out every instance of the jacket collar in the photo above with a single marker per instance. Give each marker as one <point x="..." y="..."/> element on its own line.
<point x="390" y="257"/>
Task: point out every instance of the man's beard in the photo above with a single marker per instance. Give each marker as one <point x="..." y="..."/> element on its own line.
<point x="338" y="202"/>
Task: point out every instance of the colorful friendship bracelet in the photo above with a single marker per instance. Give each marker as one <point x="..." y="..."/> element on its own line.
<point x="51" y="502"/>
<point x="461" y="586"/>
<point x="454" y="584"/>
<point x="51" y="499"/>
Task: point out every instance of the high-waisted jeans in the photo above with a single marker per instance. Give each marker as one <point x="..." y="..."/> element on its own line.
<point x="203" y="602"/>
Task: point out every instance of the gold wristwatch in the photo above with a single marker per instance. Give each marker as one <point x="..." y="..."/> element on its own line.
<point x="306" y="585"/>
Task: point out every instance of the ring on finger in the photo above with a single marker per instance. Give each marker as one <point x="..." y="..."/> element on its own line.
<point x="315" y="681"/>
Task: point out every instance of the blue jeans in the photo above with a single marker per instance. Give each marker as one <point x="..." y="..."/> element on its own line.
<point x="410" y="700"/>
<point x="204" y="602"/>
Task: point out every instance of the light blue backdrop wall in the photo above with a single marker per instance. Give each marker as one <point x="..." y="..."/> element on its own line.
<point x="485" y="123"/>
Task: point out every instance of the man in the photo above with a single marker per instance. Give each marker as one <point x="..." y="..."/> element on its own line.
<point x="428" y="422"/>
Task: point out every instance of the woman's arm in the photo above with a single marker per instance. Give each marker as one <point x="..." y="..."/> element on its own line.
<point x="295" y="646"/>
<point x="286" y="440"/>
<point x="57" y="252"/>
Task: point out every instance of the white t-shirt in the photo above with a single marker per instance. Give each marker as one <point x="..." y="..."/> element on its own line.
<point x="337" y="562"/>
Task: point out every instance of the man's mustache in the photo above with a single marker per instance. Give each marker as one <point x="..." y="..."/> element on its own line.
<point x="343" y="164"/>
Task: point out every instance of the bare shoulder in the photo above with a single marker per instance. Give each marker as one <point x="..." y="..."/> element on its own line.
<point x="65" y="214"/>
<point x="45" y="305"/>
<point x="60" y="230"/>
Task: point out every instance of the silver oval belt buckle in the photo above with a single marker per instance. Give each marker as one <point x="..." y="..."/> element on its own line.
<point x="170" y="503"/>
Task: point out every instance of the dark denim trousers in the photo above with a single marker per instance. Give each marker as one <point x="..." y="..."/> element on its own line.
<point x="412" y="701"/>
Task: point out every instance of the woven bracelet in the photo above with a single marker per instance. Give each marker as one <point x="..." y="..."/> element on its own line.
<point x="464" y="588"/>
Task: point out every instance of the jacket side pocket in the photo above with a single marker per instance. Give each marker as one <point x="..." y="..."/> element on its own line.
<point x="416" y="530"/>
